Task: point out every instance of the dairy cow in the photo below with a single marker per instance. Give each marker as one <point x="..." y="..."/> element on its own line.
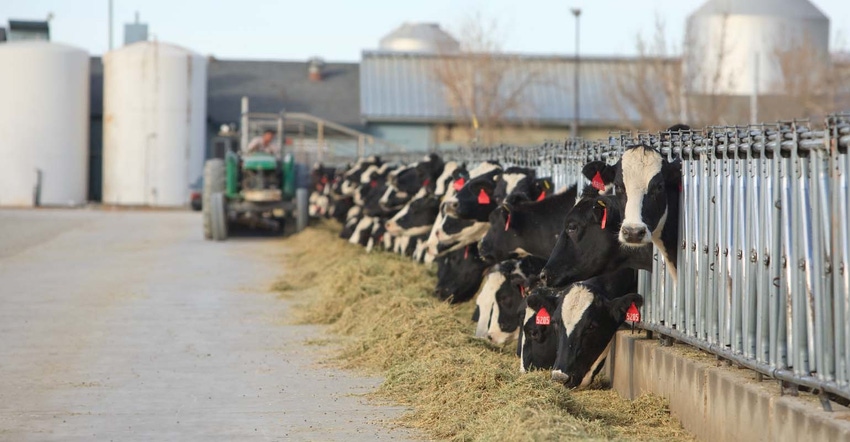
<point x="537" y="344"/>
<point x="459" y="274"/>
<point x="500" y="295"/>
<point x="586" y="319"/>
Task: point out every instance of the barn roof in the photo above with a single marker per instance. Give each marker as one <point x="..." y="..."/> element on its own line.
<point x="404" y="87"/>
<point x="273" y="86"/>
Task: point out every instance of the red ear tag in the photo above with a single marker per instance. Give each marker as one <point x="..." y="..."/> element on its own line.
<point x="543" y="317"/>
<point x="604" y="217"/>
<point x="466" y="252"/>
<point x="597" y="182"/>
<point x="483" y="198"/>
<point x="542" y="195"/>
<point x="458" y="184"/>
<point x="374" y="183"/>
<point x="633" y="314"/>
<point x="508" y="222"/>
<point x="522" y="290"/>
<point x="324" y="180"/>
<point x="426" y="182"/>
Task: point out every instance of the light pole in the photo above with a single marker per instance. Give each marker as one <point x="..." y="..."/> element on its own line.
<point x="574" y="127"/>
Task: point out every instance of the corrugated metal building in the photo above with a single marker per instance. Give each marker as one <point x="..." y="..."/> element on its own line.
<point x="403" y="99"/>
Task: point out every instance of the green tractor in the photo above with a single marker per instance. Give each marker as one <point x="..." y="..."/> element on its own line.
<point x="254" y="189"/>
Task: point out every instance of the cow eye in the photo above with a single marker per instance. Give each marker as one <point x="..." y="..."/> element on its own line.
<point x="659" y="187"/>
<point x="572" y="227"/>
<point x="620" y="189"/>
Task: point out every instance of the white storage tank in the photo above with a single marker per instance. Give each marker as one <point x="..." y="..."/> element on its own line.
<point x="44" y="123"/>
<point x="726" y="37"/>
<point x="154" y="118"/>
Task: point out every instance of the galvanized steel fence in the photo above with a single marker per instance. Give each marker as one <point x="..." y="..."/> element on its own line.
<point x="764" y="256"/>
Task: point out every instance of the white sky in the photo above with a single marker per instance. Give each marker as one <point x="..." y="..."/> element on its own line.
<point x="338" y="30"/>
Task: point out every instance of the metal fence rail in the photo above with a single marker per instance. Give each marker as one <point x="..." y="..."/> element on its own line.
<point x="764" y="242"/>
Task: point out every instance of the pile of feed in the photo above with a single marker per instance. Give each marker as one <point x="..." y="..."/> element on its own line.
<point x="456" y="386"/>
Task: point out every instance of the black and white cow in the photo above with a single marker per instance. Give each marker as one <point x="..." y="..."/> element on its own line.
<point x="649" y="187"/>
<point x="537" y="344"/>
<point x="499" y="297"/>
<point x="417" y="217"/>
<point x="459" y="274"/>
<point x="476" y="199"/>
<point x="521" y="227"/>
<point x="588" y="315"/>
<point x="588" y="244"/>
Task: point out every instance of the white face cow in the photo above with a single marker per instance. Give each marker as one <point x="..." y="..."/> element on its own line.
<point x="649" y="187"/>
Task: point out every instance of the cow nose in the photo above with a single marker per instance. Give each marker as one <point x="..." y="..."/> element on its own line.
<point x="633" y="234"/>
<point x="559" y="376"/>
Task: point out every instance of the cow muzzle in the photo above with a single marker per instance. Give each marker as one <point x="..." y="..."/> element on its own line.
<point x="561" y="377"/>
<point x="635" y="235"/>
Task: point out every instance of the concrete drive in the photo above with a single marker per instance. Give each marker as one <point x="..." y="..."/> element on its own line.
<point x="129" y="326"/>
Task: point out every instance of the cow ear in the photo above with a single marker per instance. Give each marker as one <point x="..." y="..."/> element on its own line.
<point x="618" y="306"/>
<point x="606" y="172"/>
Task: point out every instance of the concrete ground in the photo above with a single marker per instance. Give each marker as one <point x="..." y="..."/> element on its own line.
<point x="129" y="326"/>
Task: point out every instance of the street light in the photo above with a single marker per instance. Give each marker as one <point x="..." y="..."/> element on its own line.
<point x="574" y="127"/>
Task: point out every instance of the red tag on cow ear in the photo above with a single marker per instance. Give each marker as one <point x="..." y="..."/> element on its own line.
<point x="426" y="182"/>
<point x="458" y="184"/>
<point x="597" y="182"/>
<point x="543" y="317"/>
<point x="466" y="252"/>
<point x="374" y="183"/>
<point x="633" y="314"/>
<point x="483" y="198"/>
<point x="542" y="195"/>
<point x="324" y="180"/>
<point x="508" y="222"/>
<point x="522" y="290"/>
<point x="604" y="218"/>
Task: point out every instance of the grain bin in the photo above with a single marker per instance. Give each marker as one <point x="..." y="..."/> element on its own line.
<point x="725" y="38"/>
<point x="44" y="124"/>
<point x="154" y="116"/>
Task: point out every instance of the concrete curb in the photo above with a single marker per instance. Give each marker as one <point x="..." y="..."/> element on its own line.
<point x="719" y="403"/>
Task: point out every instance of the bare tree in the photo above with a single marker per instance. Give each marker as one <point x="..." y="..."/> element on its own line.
<point x="484" y="86"/>
<point x="811" y="82"/>
<point x="653" y="91"/>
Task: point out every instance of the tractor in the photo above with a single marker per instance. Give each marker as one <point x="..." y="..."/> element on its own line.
<point x="257" y="190"/>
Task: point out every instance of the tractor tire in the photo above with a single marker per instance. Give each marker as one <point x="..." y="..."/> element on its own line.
<point x="218" y="216"/>
<point x="214" y="182"/>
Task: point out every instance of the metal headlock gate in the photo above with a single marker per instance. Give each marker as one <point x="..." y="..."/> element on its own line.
<point x="764" y="256"/>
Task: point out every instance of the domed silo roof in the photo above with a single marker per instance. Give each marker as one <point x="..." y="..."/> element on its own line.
<point x="726" y="37"/>
<point x="419" y="37"/>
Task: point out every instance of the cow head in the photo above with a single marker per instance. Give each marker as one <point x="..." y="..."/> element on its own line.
<point x="537" y="345"/>
<point x="499" y="297"/>
<point x="586" y="321"/>
<point x="459" y="274"/>
<point x="588" y="245"/>
<point x="417" y="217"/>
<point x="475" y="200"/>
<point x="642" y="182"/>
<point x="504" y="235"/>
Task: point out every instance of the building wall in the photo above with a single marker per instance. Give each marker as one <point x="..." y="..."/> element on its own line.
<point x="413" y="137"/>
<point x="449" y="136"/>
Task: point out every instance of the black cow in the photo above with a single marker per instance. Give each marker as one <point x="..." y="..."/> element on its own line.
<point x="459" y="274"/>
<point x="521" y="227"/>
<point x="588" y="315"/>
<point x="649" y="187"/>
<point x="500" y="295"/>
<point x="537" y="345"/>
<point x="588" y="244"/>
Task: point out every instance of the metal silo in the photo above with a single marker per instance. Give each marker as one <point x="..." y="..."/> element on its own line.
<point x="44" y="124"/>
<point x="731" y="46"/>
<point x="154" y="117"/>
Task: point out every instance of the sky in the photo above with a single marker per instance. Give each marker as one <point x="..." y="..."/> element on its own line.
<point x="338" y="30"/>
